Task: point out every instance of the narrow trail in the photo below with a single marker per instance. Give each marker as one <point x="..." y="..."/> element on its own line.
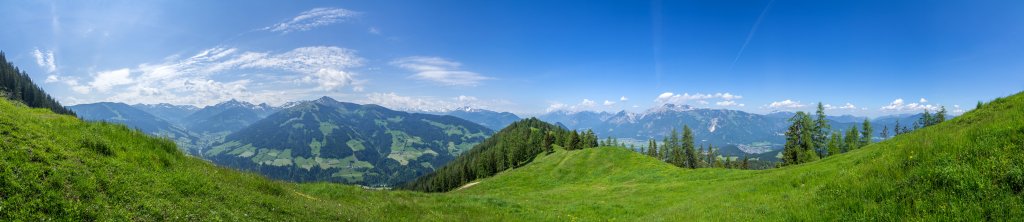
<point x="306" y="196"/>
<point x="468" y="185"/>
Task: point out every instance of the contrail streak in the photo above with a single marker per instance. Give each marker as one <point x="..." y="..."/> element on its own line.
<point x="750" y="35"/>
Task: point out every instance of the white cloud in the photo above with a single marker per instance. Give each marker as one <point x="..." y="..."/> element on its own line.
<point x="330" y="79"/>
<point x="922" y="100"/>
<point x="191" y="80"/>
<point x="727" y="96"/>
<point x="313" y="18"/>
<point x="45" y="59"/>
<point x="439" y="70"/>
<point x="669" y="97"/>
<point x="463" y="98"/>
<point x="587" y="103"/>
<point x="556" y="106"/>
<point x="583" y="105"/>
<point x="786" y="104"/>
<point x="894" y="105"/>
<point x="898" y="105"/>
<point x="107" y="79"/>
<point x="394" y="101"/>
<point x="848" y="106"/>
<point x="374" y="30"/>
<point x="916" y="106"/>
<point x="608" y="103"/>
<point x="958" y="110"/>
<point x="623" y="98"/>
<point x="729" y="103"/>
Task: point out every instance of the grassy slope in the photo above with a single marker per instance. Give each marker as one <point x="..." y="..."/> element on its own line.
<point x="970" y="167"/>
<point x="55" y="166"/>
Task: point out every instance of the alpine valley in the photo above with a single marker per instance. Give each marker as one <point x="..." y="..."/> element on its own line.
<point x="328" y="140"/>
<point x="509" y="110"/>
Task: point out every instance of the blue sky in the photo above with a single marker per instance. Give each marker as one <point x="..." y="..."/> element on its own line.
<point x="865" y="58"/>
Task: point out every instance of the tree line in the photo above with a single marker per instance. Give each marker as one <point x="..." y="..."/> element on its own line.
<point x="16" y="85"/>
<point x="678" y="149"/>
<point x="809" y="140"/>
<point x="512" y="147"/>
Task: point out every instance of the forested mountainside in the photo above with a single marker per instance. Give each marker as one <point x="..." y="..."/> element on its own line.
<point x="327" y="140"/>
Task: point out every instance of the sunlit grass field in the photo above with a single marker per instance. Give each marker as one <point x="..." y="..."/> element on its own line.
<point x="969" y="168"/>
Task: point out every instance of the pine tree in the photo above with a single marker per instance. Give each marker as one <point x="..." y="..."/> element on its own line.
<point x="885" y="132"/>
<point x="834" y="143"/>
<point x="549" y="141"/>
<point x="852" y="139"/>
<point x="664" y="151"/>
<point x="590" y="139"/>
<point x="941" y="115"/>
<point x="574" y="141"/>
<point x="896" y="130"/>
<point x="866" y="133"/>
<point x="926" y="119"/>
<point x="652" y="148"/>
<point x="673" y="147"/>
<point x="799" y="147"/>
<point x="691" y="154"/>
<point x="746" y="162"/>
<point x="821" y="128"/>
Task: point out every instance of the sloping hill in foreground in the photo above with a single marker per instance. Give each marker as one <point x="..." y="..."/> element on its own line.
<point x="969" y="168"/>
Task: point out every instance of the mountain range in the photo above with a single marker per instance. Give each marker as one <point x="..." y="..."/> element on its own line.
<point x="327" y="140"/>
<point x="490" y="119"/>
<point x="170" y="112"/>
<point x="734" y="132"/>
<point x="220" y="132"/>
<point x="135" y="118"/>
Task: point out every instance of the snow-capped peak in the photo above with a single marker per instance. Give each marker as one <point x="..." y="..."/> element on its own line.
<point x="669" y="107"/>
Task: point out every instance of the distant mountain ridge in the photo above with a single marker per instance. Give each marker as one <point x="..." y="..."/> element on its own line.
<point x="169" y="112"/>
<point x="327" y="140"/>
<point x="490" y="119"/>
<point x="227" y="116"/>
<point x="736" y="132"/>
<point x="135" y="118"/>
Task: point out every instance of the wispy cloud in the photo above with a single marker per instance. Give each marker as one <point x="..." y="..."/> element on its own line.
<point x="583" y="105"/>
<point x="439" y="70"/>
<point x="45" y="60"/>
<point x="107" y="79"/>
<point x="847" y="106"/>
<point x="750" y="35"/>
<point x="421" y="103"/>
<point x="313" y="18"/>
<point x="898" y="105"/>
<point x="192" y="80"/>
<point x="786" y="104"/>
<point x="669" y="97"/>
<point x="728" y="103"/>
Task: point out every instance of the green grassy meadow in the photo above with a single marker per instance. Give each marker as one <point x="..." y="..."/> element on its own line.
<point x="969" y="168"/>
